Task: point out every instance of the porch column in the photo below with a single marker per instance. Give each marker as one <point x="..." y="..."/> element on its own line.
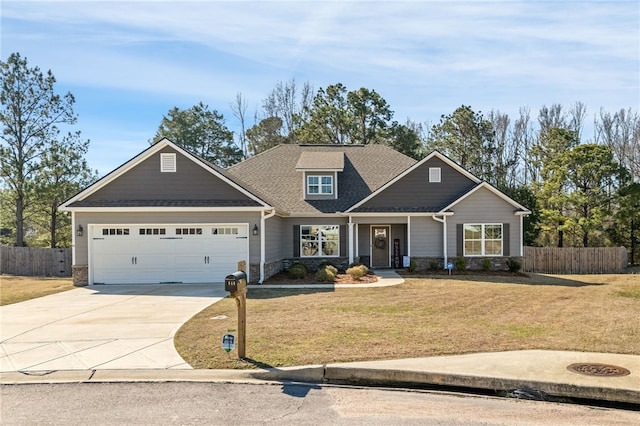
<point x="263" y="221"/>
<point x="409" y="236"/>
<point x="351" y="235"/>
<point x="444" y="240"/>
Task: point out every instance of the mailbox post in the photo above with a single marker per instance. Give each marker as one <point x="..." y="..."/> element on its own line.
<point x="236" y="285"/>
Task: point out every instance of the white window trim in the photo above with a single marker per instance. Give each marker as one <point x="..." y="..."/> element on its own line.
<point x="320" y="185"/>
<point x="435" y="174"/>
<point x="483" y="240"/>
<point x="320" y="240"/>
<point x="167" y="163"/>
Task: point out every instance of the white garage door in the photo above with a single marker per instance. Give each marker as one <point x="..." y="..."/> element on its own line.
<point x="139" y="254"/>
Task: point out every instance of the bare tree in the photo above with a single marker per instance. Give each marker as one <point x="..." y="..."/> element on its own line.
<point x="239" y="110"/>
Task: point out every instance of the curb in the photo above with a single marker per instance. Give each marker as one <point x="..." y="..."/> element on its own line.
<point x="328" y="374"/>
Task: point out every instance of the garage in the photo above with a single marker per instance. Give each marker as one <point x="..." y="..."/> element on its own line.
<point x="172" y="253"/>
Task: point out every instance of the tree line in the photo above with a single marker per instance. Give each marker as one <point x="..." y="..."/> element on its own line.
<point x="582" y="190"/>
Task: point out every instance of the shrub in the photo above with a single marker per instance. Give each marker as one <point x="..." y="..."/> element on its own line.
<point x="352" y="264"/>
<point x="412" y="266"/>
<point x="460" y="264"/>
<point x="434" y="265"/>
<point x="358" y="272"/>
<point x="326" y="263"/>
<point x="513" y="264"/>
<point x="486" y="264"/>
<point x="326" y="275"/>
<point x="297" y="271"/>
<point x="331" y="269"/>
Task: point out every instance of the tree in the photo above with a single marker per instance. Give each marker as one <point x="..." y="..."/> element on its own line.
<point x="405" y="139"/>
<point x="30" y="114"/>
<point x="265" y="135"/>
<point x="64" y="171"/>
<point x="290" y="103"/>
<point x="202" y="132"/>
<point x="337" y="116"/>
<point x="467" y="138"/>
<point x="239" y="110"/>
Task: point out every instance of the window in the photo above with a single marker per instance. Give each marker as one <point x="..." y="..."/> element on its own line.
<point x="319" y="185"/>
<point x="188" y="231"/>
<point x="224" y="231"/>
<point x="319" y="240"/>
<point x="434" y="174"/>
<point x="483" y="239"/>
<point x="115" y="231"/>
<point x="153" y="231"/>
<point x="167" y="163"/>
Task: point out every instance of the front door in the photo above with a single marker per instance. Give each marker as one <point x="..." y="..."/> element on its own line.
<point x="380" y="246"/>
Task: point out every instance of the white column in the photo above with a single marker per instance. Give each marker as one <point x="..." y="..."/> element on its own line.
<point x="351" y="234"/>
<point x="444" y="240"/>
<point x="409" y="236"/>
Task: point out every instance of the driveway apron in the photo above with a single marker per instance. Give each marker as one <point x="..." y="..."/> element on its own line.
<point x="101" y="327"/>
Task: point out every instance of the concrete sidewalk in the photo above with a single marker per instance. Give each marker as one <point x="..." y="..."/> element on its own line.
<point x="536" y="370"/>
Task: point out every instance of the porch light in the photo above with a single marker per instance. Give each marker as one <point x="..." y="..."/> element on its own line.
<point x="79" y="231"/>
<point x="255" y="229"/>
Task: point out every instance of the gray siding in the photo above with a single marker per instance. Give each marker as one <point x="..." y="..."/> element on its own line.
<point x="85" y="219"/>
<point x="426" y="237"/>
<point x="415" y="191"/>
<point x="276" y="248"/>
<point x="484" y="207"/>
<point x="146" y="182"/>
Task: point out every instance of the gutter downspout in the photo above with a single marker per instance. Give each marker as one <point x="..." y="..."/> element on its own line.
<point x="443" y="221"/>
<point x="409" y="236"/>
<point x="263" y="219"/>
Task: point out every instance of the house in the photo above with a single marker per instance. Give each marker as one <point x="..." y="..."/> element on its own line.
<point x="168" y="216"/>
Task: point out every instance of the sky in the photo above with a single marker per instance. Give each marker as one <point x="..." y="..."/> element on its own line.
<point x="128" y="63"/>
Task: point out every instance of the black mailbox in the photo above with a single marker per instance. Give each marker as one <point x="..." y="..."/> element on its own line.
<point x="236" y="281"/>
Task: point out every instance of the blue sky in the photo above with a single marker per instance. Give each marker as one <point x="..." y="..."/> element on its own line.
<point x="128" y="63"/>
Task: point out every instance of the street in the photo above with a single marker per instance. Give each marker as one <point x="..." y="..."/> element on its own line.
<point x="300" y="404"/>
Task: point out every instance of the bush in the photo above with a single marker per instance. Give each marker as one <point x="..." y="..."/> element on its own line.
<point x="460" y="264"/>
<point x="486" y="264"/>
<point x="434" y="265"/>
<point x="326" y="275"/>
<point x="297" y="271"/>
<point x="352" y="264"/>
<point x="412" y="266"/>
<point x="331" y="269"/>
<point x="358" y="272"/>
<point x="513" y="264"/>
<point x="326" y="263"/>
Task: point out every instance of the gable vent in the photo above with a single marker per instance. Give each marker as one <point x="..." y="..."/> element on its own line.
<point x="434" y="174"/>
<point x="167" y="163"/>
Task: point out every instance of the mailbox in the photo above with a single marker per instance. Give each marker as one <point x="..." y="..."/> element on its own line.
<point x="236" y="281"/>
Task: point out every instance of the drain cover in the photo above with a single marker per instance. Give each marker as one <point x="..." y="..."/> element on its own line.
<point x="595" y="369"/>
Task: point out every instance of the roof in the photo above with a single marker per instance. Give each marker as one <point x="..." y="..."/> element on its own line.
<point x="273" y="177"/>
<point x="321" y="161"/>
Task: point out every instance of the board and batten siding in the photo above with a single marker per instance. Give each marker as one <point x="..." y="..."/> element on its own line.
<point x="147" y="182"/>
<point x="484" y="206"/>
<point x="164" y="218"/>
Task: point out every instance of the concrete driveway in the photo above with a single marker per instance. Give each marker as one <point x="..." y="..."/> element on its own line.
<point x="101" y="327"/>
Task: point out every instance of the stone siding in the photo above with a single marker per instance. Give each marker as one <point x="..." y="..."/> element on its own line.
<point x="80" y="275"/>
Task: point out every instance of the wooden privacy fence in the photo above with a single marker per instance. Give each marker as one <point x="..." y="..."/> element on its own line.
<point x="575" y="260"/>
<point x="35" y="261"/>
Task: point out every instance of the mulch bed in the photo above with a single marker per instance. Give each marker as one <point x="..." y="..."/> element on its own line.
<point x="282" y="279"/>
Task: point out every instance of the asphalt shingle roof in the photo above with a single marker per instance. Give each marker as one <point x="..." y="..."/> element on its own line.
<point x="272" y="175"/>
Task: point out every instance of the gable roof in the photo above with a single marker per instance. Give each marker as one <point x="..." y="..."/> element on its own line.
<point x="272" y="175"/>
<point x="418" y="202"/>
<point x="520" y="208"/>
<point x="87" y="199"/>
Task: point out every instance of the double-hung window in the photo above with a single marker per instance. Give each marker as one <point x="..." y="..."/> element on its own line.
<point x="319" y="185"/>
<point x="319" y="240"/>
<point x="483" y="239"/>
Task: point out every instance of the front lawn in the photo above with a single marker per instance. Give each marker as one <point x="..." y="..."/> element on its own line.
<point x="14" y="289"/>
<point x="422" y="317"/>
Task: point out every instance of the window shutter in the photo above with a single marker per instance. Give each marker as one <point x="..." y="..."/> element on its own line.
<point x="506" y="240"/>
<point x="296" y="240"/>
<point x="343" y="240"/>
<point x="460" y="239"/>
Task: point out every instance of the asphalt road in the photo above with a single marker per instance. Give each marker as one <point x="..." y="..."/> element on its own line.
<point x="288" y="404"/>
